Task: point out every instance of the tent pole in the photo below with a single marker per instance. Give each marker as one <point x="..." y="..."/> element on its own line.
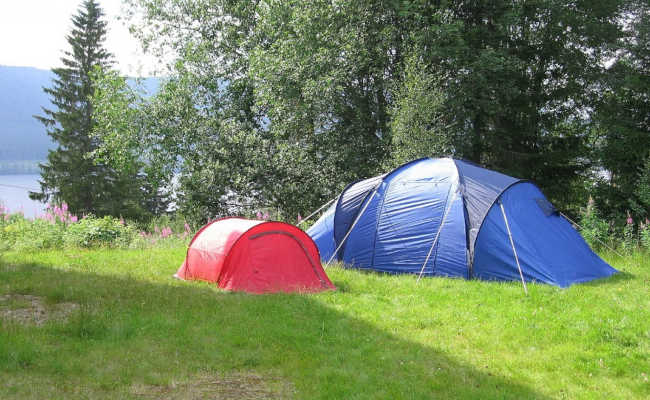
<point x="599" y="241"/>
<point x="314" y="213"/>
<point x="435" y="239"/>
<point x="351" y="227"/>
<point x="512" y="243"/>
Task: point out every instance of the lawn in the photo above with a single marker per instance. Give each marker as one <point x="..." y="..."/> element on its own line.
<point x="114" y="324"/>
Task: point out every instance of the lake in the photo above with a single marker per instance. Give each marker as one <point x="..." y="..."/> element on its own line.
<point x="14" y="194"/>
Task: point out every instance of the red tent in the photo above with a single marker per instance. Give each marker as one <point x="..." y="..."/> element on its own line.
<point x="255" y="256"/>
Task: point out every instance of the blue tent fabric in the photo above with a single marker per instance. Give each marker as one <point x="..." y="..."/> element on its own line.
<point x="349" y="203"/>
<point x="322" y="232"/>
<point x="447" y="212"/>
<point x="548" y="247"/>
<point x="480" y="188"/>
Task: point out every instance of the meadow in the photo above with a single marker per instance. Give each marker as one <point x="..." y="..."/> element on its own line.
<point x="113" y="324"/>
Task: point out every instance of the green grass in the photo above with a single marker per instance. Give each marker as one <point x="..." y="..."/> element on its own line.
<point x="377" y="337"/>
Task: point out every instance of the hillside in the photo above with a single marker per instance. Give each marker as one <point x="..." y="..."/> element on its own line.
<point x="24" y="140"/>
<point x="22" y="96"/>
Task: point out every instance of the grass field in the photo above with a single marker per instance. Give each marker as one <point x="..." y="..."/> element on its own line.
<point x="113" y="324"/>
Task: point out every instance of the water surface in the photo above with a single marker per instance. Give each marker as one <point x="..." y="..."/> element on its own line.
<point x="14" y="191"/>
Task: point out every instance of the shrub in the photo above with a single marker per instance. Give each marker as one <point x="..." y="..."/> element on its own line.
<point x="107" y="231"/>
<point x="593" y="228"/>
<point x="644" y="234"/>
<point x="630" y="240"/>
<point x="20" y="233"/>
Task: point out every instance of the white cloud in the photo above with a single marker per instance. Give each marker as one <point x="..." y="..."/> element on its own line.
<point x="33" y="32"/>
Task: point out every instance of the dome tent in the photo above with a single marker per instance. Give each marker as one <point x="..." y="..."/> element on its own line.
<point x="453" y="218"/>
<point x="254" y="256"/>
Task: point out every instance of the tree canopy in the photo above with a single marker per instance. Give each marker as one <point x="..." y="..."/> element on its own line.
<point x="279" y="104"/>
<point x="70" y="175"/>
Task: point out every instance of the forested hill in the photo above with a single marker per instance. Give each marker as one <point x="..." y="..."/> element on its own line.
<point x="22" y="97"/>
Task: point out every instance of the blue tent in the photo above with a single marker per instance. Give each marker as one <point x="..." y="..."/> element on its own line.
<point x="448" y="217"/>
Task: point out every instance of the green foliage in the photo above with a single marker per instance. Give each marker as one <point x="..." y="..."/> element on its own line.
<point x="623" y="135"/>
<point x="58" y="229"/>
<point x="280" y="104"/>
<point x="593" y="228"/>
<point x="644" y="234"/>
<point x="20" y="233"/>
<point x="418" y="119"/>
<point x="122" y="116"/>
<point x="94" y="232"/>
<point x="643" y="187"/>
<point x="69" y="175"/>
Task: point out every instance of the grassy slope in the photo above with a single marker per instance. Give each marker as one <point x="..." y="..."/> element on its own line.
<point x="376" y="337"/>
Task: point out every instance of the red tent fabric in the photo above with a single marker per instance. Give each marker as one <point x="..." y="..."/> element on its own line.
<point x="255" y="256"/>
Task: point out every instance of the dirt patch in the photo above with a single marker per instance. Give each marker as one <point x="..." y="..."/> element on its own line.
<point x="245" y="386"/>
<point x="33" y="310"/>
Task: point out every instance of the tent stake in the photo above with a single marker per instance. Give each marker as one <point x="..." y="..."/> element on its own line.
<point x="599" y="241"/>
<point x="351" y="227"/>
<point x="512" y="243"/>
<point x="435" y="239"/>
<point x="314" y="213"/>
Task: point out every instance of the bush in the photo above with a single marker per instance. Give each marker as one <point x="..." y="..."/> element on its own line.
<point x="644" y="234"/>
<point x="58" y="228"/>
<point x="594" y="229"/>
<point x="92" y="232"/>
<point x="20" y="233"/>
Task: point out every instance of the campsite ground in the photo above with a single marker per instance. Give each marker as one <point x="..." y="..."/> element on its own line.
<point x="108" y="324"/>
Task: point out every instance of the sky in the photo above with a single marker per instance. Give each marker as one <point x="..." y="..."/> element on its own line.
<point x="32" y="34"/>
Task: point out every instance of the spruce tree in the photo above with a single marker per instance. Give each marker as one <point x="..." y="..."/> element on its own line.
<point x="69" y="175"/>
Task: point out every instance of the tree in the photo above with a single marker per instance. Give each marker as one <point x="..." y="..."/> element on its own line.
<point x="122" y="114"/>
<point x="70" y="175"/>
<point x="418" y="121"/>
<point x="623" y="118"/>
<point x="329" y="92"/>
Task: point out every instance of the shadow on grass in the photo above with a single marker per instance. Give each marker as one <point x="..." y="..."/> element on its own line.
<point x="620" y="276"/>
<point x="130" y="332"/>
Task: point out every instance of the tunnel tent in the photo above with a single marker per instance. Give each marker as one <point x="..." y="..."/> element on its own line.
<point x="254" y="256"/>
<point x="448" y="217"/>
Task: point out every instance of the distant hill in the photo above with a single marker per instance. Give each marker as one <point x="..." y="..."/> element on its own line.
<point x="23" y="140"/>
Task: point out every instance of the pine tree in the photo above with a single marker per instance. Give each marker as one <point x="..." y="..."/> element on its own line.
<point x="69" y="175"/>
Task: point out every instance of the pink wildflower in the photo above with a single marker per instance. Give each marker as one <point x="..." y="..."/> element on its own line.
<point x="64" y="207"/>
<point x="121" y="221"/>
<point x="265" y="216"/>
<point x="166" y="232"/>
<point x="259" y="215"/>
<point x="630" y="221"/>
<point x="299" y="218"/>
<point x="187" y="227"/>
<point x="73" y="218"/>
